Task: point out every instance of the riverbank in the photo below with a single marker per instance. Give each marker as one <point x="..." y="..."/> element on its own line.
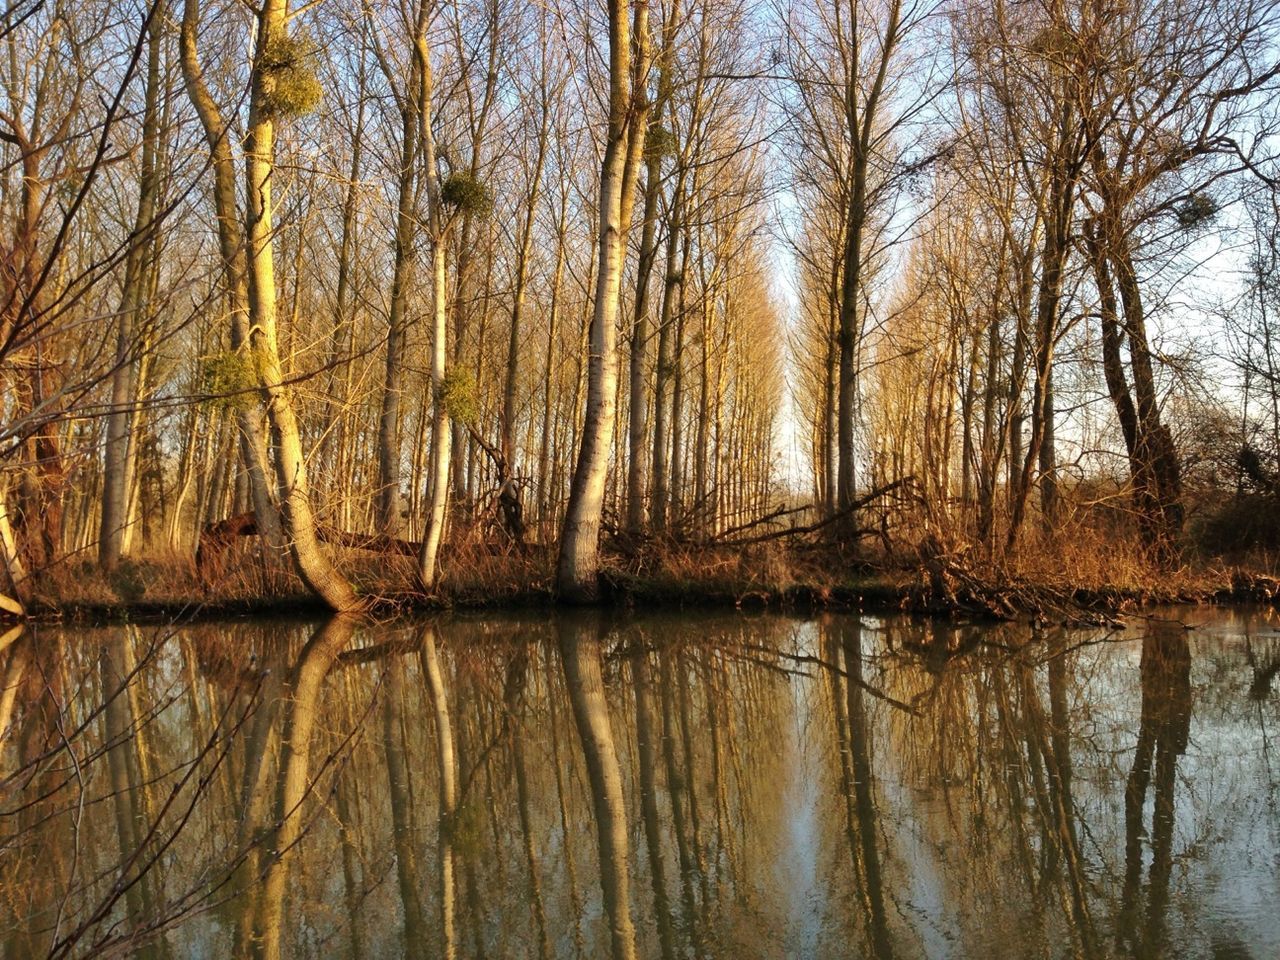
<point x="777" y="578"/>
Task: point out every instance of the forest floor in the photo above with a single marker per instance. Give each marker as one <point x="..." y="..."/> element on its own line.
<point x="797" y="578"/>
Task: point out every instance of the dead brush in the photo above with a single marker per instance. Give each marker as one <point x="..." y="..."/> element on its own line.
<point x="476" y="571"/>
<point x="166" y="578"/>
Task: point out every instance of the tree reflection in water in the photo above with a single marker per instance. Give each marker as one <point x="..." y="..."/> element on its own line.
<point x="1163" y="733"/>
<point x="677" y="786"/>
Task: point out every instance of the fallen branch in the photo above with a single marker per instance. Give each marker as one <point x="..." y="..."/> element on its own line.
<point x="508" y="494"/>
<point x="819" y="525"/>
<point x="758" y="521"/>
<point x="375" y="543"/>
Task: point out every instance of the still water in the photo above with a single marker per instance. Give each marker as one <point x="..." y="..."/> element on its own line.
<point x="667" y="786"/>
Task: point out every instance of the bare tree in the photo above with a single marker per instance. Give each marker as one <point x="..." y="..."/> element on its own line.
<point x="578" y="568"/>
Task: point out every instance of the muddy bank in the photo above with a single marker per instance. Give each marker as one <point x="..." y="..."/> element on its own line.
<point x="946" y="594"/>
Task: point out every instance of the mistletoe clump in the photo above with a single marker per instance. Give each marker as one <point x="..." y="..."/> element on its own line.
<point x="460" y="395"/>
<point x="228" y="379"/>
<point x="1196" y="210"/>
<point x="466" y="194"/>
<point x="288" y="62"/>
<point x="659" y="143"/>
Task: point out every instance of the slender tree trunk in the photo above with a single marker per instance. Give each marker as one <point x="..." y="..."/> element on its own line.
<point x="638" y="459"/>
<point x="231" y="244"/>
<point x="389" y="521"/>
<point x="116" y="475"/>
<point x="1157" y="453"/>
<point x="316" y="570"/>
<point x="15" y="586"/>
<point x="991" y="442"/>
<point x="578" y="567"/>
<point x="337" y="414"/>
<point x="638" y="410"/>
<point x="1040" y="448"/>
<point x="861" y="115"/>
<point x="441" y="435"/>
<point x="507" y="427"/>
<point x="441" y="438"/>
<point x="545" y="486"/>
<point x="662" y="415"/>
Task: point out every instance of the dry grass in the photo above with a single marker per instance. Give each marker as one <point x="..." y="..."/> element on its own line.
<point x="165" y="580"/>
<point x="1088" y="556"/>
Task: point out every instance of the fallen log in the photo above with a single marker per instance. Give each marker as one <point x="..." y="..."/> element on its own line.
<point x="216" y="539"/>
<point x="375" y="543"/>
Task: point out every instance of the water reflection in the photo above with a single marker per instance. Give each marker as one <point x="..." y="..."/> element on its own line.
<point x="680" y="786"/>
<point x="1163" y="733"/>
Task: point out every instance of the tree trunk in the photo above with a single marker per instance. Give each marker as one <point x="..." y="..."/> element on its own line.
<point x="15" y="594"/>
<point x="638" y="412"/>
<point x="553" y="325"/>
<point x="231" y="245"/>
<point x="441" y="438"/>
<point x="1052" y="260"/>
<point x="662" y="406"/>
<point x="315" y="569"/>
<point x="1157" y="454"/>
<point x="507" y="426"/>
<point x="578" y="567"/>
<point x="389" y="522"/>
<point x="116" y="475"/>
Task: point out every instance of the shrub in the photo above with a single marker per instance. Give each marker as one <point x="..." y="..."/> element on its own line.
<point x="1241" y="525"/>
<point x="128" y="582"/>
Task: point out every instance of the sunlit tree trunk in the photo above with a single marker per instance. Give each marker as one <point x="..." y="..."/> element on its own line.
<point x="336" y="419"/>
<point x="15" y="585"/>
<point x="125" y="387"/>
<point x="389" y="521"/>
<point x="524" y="250"/>
<point x="641" y="333"/>
<point x="662" y="404"/>
<point x="862" y="114"/>
<point x="314" y="567"/>
<point x="1058" y="219"/>
<point x="232" y="248"/>
<point x="578" y="566"/>
<point x="441" y="438"/>
<point x="545" y="486"/>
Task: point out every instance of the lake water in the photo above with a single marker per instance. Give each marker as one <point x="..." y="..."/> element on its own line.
<point x="675" y="785"/>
